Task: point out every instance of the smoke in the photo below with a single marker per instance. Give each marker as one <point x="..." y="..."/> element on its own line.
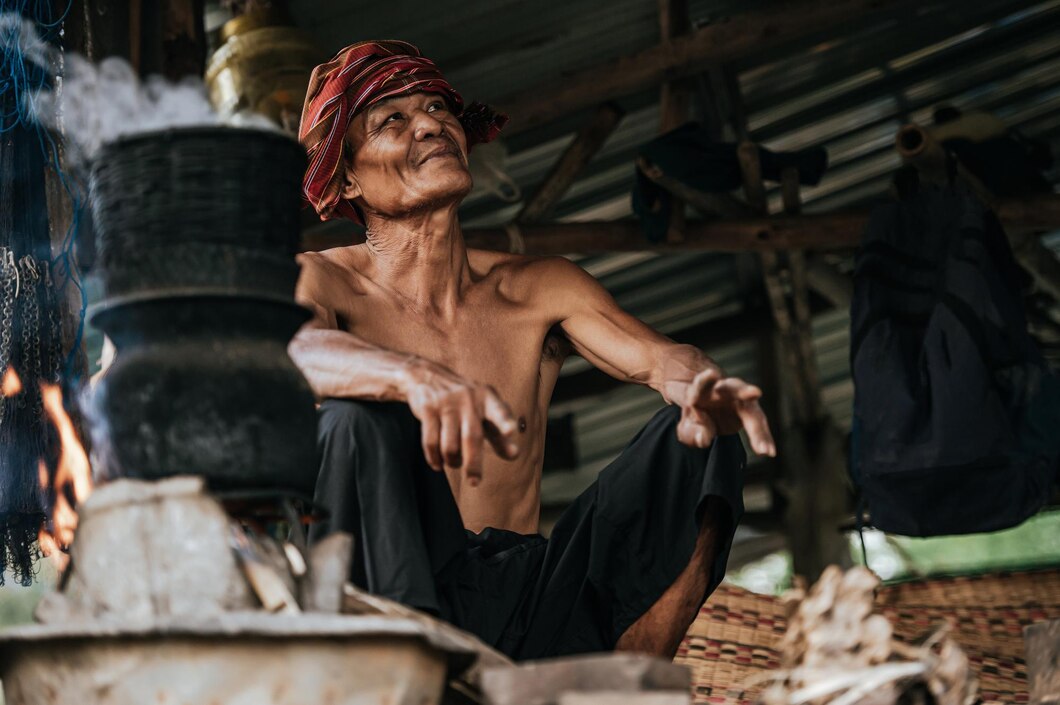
<point x="91" y="105"/>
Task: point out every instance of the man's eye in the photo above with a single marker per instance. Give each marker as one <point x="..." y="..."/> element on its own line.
<point x="436" y="106"/>
<point x="393" y="116"/>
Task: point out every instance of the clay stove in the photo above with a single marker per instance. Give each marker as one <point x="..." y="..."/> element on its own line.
<point x="169" y="598"/>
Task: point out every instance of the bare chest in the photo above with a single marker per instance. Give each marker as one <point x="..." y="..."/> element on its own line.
<point x="488" y="341"/>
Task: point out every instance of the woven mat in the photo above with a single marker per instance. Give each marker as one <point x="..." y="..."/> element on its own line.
<point x="734" y="638"/>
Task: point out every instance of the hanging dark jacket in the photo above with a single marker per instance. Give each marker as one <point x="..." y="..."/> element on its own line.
<point x="956" y="415"/>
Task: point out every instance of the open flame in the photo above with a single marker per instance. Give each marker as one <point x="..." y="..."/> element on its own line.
<point x="71" y="483"/>
<point x="11" y="384"/>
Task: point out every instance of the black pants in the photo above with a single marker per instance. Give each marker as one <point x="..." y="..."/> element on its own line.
<point x="611" y="555"/>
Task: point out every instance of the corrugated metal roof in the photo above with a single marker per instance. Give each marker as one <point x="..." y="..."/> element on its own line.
<point x="848" y="92"/>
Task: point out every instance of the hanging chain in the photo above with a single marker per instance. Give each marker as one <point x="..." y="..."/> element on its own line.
<point x="55" y="328"/>
<point x="31" y="327"/>
<point x="8" y="281"/>
<point x="22" y="284"/>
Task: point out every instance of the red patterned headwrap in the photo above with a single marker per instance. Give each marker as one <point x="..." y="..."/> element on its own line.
<point x="359" y="76"/>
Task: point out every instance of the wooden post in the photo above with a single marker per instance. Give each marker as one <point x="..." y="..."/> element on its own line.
<point x="172" y="38"/>
<point x="802" y="332"/>
<point x="810" y="446"/>
<point x="674" y="97"/>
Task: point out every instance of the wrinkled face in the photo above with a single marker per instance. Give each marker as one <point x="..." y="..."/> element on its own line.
<point x="409" y="154"/>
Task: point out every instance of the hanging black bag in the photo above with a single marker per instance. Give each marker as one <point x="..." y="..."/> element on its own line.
<point x="956" y="414"/>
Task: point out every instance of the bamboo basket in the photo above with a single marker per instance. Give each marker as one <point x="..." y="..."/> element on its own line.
<point x="736" y="633"/>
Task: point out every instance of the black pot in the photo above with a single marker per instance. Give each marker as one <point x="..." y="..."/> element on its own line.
<point x="207" y="211"/>
<point x="205" y="386"/>
<point x="197" y="233"/>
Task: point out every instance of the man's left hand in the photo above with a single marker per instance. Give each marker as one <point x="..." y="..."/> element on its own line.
<point x="715" y="405"/>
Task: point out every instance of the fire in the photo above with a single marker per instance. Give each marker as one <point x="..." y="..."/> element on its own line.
<point x="72" y="482"/>
<point x="11" y="385"/>
<point x="51" y="551"/>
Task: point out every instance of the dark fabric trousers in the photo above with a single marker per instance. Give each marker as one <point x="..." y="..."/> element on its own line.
<point x="610" y="556"/>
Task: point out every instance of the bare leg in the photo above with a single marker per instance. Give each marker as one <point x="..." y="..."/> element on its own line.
<point x="659" y="631"/>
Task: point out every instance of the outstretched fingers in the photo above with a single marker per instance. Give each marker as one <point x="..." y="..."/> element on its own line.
<point x="757" y="427"/>
<point x="743" y="398"/>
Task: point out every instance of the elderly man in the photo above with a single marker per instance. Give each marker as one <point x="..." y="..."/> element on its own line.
<point x="435" y="364"/>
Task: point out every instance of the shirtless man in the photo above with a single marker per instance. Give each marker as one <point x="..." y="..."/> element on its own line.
<point x="436" y="364"/>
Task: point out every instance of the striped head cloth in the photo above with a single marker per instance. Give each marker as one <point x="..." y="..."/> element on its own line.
<point x="359" y="76"/>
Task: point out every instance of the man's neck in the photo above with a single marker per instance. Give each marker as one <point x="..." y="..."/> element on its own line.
<point x="421" y="258"/>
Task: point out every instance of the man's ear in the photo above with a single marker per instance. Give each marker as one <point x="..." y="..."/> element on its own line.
<point x="350" y="188"/>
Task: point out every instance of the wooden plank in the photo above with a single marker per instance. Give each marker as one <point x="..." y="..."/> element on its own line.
<point x="828" y="231"/>
<point x="705" y="202"/>
<point x="586" y="144"/>
<point x="829" y="282"/>
<point x="739" y="36"/>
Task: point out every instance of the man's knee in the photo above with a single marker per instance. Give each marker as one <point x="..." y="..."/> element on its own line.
<point x="358" y="418"/>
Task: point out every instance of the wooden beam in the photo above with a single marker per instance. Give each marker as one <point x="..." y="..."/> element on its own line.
<point x="828" y="231"/>
<point x="829" y="282"/>
<point x="586" y="144"/>
<point x="739" y="36"/>
<point x="705" y="202"/>
<point x="832" y="231"/>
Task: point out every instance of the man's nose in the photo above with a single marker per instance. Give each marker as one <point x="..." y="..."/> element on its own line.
<point x="425" y="125"/>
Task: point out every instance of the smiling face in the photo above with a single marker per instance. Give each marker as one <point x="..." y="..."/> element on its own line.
<point x="409" y="154"/>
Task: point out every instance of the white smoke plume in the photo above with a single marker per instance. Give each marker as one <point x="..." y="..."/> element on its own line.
<point x="91" y="105"/>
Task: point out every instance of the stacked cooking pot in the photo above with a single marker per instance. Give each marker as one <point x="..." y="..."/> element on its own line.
<point x="197" y="231"/>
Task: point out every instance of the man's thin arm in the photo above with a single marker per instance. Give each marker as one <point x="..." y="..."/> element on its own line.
<point x="340" y="364"/>
<point x="335" y="362"/>
<point x="616" y="342"/>
<point x="629" y="349"/>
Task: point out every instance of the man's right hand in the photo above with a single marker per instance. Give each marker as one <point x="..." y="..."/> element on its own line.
<point x="457" y="416"/>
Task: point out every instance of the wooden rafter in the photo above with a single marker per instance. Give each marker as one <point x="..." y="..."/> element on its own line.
<point x="575" y="157"/>
<point x="812" y="231"/>
<point x="739" y="36"/>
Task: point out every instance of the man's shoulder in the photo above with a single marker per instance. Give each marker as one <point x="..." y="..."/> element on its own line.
<point x="523" y="276"/>
<point x="333" y="261"/>
<point x="506" y="263"/>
